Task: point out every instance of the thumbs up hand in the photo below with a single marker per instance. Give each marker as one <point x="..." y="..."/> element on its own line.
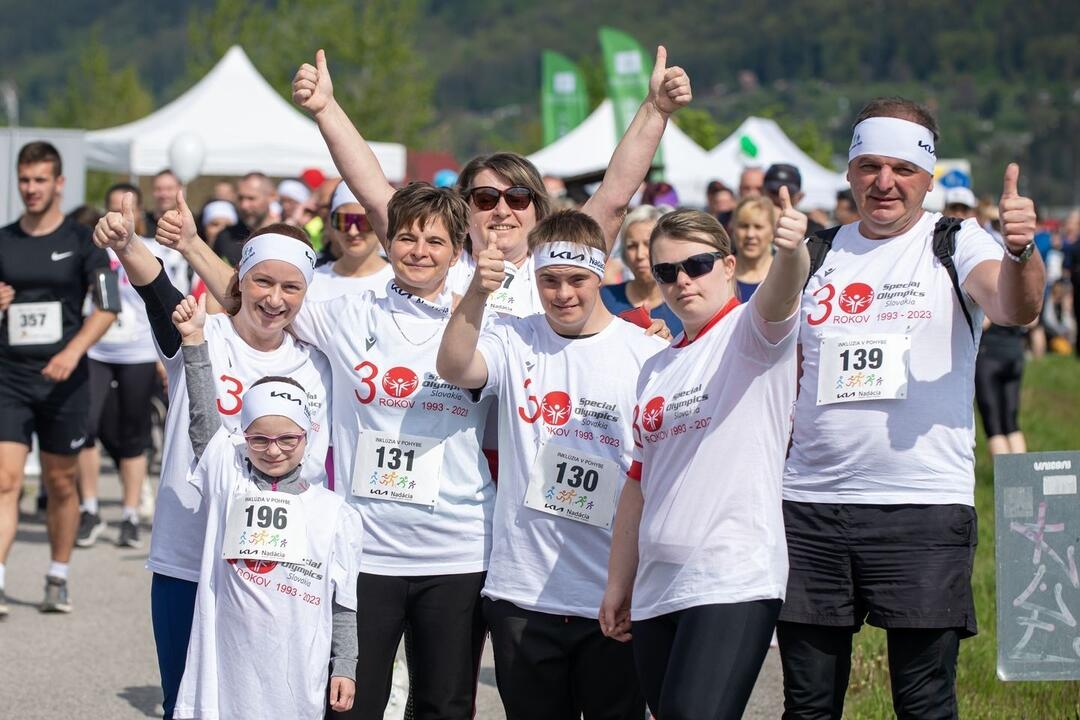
<point x="312" y="88"/>
<point x="790" y="225"/>
<point x="669" y="88"/>
<point x="490" y="270"/>
<point x="1017" y="213"/>
<point x="189" y="317"/>
<point x="176" y="228"/>
<point x="117" y="229"/>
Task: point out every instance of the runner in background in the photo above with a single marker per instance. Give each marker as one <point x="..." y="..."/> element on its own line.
<point x="47" y="267"/>
<point x="361" y="266"/>
<point x="565" y="383"/>
<point x="698" y="562"/>
<point x="124" y="374"/>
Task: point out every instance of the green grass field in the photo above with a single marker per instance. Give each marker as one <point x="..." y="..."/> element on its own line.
<point x="1050" y="419"/>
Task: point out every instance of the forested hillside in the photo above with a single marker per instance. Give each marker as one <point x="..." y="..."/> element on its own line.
<point x="463" y="75"/>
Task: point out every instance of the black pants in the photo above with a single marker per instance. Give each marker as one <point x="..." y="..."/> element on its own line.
<point x="120" y="407"/>
<point x="555" y="667"/>
<point x="817" y="663"/>
<point x="701" y="663"/>
<point x="997" y="392"/>
<point x="446" y="639"/>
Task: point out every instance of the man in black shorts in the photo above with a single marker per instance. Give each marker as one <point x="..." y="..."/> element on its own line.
<point x="47" y="265"/>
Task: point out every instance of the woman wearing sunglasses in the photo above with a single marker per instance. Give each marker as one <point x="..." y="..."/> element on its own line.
<point x="277" y="583"/>
<point x="360" y="266"/>
<point x="698" y="559"/>
<point x="505" y="192"/>
<point x="249" y="342"/>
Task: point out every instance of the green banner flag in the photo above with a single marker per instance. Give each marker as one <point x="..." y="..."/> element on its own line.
<point x="563" y="100"/>
<point x="628" y="68"/>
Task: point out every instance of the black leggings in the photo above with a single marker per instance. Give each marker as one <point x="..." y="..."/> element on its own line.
<point x="446" y="640"/>
<point x="120" y="407"/>
<point x="702" y="662"/>
<point x="817" y="664"/>
<point x="997" y="391"/>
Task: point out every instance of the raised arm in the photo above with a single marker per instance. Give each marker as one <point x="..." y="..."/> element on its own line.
<point x="459" y="362"/>
<point x="176" y="229"/>
<point x="669" y="90"/>
<point x="779" y="294"/>
<point x="190" y="318"/>
<point x="1011" y="292"/>
<point x="313" y="91"/>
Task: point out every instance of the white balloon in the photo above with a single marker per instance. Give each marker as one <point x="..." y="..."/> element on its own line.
<point x="186" y="153"/>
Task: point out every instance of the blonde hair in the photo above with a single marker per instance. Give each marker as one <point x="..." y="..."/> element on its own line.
<point x="692" y="226"/>
<point x="761" y="204"/>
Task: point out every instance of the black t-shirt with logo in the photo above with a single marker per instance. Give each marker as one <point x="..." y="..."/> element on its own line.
<point x="60" y="267"/>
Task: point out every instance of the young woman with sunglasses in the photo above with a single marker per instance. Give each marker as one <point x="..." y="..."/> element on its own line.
<point x="505" y="191"/>
<point x="266" y="292"/>
<point x="565" y="380"/>
<point x="277" y="583"/>
<point x="698" y="560"/>
<point x="360" y="267"/>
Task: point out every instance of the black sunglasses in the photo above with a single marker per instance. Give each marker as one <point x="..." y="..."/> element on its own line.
<point x="694" y="266"/>
<point x="518" y="197"/>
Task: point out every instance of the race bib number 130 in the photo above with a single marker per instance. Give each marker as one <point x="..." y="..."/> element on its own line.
<point x="574" y="485"/>
<point x="863" y="367"/>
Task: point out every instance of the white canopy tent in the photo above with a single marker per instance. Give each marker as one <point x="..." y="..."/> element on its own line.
<point x="588" y="147"/>
<point x="729" y="158"/>
<point x="244" y="126"/>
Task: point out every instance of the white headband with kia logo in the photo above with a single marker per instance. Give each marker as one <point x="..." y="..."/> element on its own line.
<point x="272" y="246"/>
<point x="568" y="253"/>
<point x="895" y="138"/>
<point x="275" y="398"/>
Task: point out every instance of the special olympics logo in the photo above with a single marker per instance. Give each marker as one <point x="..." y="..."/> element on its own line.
<point x="556" y="408"/>
<point x="856" y="298"/>
<point x="653" y="417"/>
<point x="260" y="567"/>
<point x="400" y="382"/>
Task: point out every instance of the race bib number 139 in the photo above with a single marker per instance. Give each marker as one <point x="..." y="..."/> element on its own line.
<point x="863" y="367"/>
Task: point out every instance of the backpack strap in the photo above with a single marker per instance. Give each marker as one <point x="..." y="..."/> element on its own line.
<point x="944" y="246"/>
<point x="818" y="245"/>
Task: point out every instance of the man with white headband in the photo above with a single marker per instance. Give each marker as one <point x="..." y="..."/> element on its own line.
<point x="879" y="483"/>
<point x="566" y="387"/>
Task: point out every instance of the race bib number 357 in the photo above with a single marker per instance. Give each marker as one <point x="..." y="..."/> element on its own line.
<point x="34" y="323"/>
<point x="863" y="367"/>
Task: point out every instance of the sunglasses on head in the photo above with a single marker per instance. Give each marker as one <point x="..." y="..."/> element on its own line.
<point x="694" y="266"/>
<point x="343" y="221"/>
<point x="517" y="197"/>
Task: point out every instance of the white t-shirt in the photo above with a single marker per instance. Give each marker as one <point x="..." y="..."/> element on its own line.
<point x="918" y="450"/>
<point x="711" y="430"/>
<point x="382" y="351"/>
<point x="129" y="340"/>
<point x="327" y="284"/>
<point x="260" y="638"/>
<point x="575" y="393"/>
<point x="180" y="516"/>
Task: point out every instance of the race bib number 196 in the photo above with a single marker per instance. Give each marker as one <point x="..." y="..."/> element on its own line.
<point x="265" y="526"/>
<point x="863" y="367"/>
<point x="574" y="485"/>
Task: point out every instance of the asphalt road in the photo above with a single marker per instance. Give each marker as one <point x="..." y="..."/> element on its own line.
<point x="99" y="662"/>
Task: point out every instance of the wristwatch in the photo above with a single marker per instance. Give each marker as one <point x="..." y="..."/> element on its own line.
<point x="1023" y="256"/>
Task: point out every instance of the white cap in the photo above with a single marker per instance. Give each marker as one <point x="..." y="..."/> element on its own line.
<point x="960" y="196"/>
<point x="219" y="209"/>
<point x="342" y="196"/>
<point x="294" y="190"/>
